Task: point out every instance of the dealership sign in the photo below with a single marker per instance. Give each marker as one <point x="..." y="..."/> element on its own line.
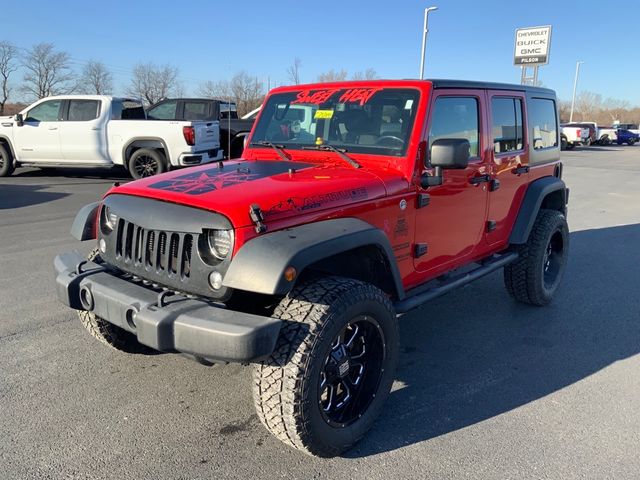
<point x="532" y="46"/>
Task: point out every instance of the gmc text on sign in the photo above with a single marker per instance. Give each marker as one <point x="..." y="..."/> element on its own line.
<point x="532" y="46"/>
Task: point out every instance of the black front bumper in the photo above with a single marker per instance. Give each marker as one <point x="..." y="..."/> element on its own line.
<point x="165" y="323"/>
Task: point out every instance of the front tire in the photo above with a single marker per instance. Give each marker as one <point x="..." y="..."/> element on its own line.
<point x="333" y="366"/>
<point x="146" y="163"/>
<point x="535" y="276"/>
<point x="105" y="332"/>
<point x="6" y="162"/>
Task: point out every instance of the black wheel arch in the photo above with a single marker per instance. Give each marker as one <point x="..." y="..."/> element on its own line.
<point x="549" y="193"/>
<point x="154" y="143"/>
<point x="348" y="247"/>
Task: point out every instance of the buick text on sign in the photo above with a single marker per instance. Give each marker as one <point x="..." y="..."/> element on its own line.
<point x="532" y="46"/>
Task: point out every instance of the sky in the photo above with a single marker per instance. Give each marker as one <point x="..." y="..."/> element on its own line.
<point x="212" y="40"/>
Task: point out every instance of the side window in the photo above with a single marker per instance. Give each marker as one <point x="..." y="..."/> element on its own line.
<point x="45" y="112"/>
<point x="164" y="111"/>
<point x="506" y="114"/>
<point x="83" y="110"/>
<point x="455" y="117"/>
<point x="195" y="110"/>
<point x="542" y="119"/>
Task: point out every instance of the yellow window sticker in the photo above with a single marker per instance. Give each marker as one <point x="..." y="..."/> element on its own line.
<point x="323" y="114"/>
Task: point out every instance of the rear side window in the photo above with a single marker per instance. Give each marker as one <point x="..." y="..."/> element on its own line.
<point x="195" y="110"/>
<point x="83" y="110"/>
<point x="506" y="114"/>
<point x="45" y="112"/>
<point x="455" y="117"/>
<point x="164" y="111"/>
<point x="542" y="119"/>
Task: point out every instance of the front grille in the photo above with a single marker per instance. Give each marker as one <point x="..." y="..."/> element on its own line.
<point x="159" y="253"/>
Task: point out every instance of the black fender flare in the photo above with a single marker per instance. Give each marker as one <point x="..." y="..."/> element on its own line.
<point x="84" y="225"/>
<point x="537" y="191"/>
<point x="145" y="142"/>
<point x="260" y="264"/>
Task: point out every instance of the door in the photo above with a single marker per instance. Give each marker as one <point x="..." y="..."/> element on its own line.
<point x="38" y="139"/>
<point x="450" y="227"/>
<point x="82" y="133"/>
<point x="509" y="162"/>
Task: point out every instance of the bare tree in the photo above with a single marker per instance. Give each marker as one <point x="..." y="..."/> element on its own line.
<point x="96" y="79"/>
<point x="333" y="76"/>
<point x="368" y="74"/>
<point x="616" y="108"/>
<point x="293" y="72"/>
<point x="152" y="82"/>
<point x="47" y="72"/>
<point x="245" y="90"/>
<point x="8" y="65"/>
<point x="588" y="104"/>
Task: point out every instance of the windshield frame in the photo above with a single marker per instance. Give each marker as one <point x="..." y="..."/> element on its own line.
<point x="336" y="102"/>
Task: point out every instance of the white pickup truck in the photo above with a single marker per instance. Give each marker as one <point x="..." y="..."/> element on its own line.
<point x="102" y="131"/>
<point x="573" y="136"/>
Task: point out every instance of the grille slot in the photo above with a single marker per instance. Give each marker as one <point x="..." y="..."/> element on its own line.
<point x="160" y="254"/>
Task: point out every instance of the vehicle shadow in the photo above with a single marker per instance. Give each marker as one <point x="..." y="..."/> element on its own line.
<point x="115" y="173"/>
<point x="475" y="354"/>
<point x="17" y="196"/>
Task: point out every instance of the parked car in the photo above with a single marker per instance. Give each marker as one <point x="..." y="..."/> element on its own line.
<point x="606" y="135"/>
<point x="233" y="130"/>
<point x="102" y="131"/>
<point x="626" y="136"/>
<point x="571" y="137"/>
<point x="591" y="126"/>
<point x="299" y="258"/>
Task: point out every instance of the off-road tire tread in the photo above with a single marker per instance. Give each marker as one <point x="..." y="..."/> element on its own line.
<point x="522" y="278"/>
<point x="106" y="333"/>
<point x="277" y="388"/>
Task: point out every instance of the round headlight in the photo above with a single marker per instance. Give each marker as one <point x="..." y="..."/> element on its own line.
<point x="220" y="243"/>
<point x="109" y="219"/>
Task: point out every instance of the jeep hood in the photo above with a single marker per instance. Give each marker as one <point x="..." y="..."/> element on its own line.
<point x="281" y="189"/>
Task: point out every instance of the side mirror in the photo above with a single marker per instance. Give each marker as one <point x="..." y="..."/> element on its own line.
<point x="446" y="153"/>
<point x="450" y="153"/>
<point x="19" y="119"/>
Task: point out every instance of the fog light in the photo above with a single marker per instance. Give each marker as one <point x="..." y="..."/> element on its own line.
<point x="102" y="245"/>
<point x="215" y="280"/>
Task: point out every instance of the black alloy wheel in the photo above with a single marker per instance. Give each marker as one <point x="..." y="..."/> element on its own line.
<point x="554" y="260"/>
<point x="146" y="163"/>
<point x="352" y="371"/>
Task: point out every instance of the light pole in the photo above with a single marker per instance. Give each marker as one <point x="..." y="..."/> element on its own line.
<point x="575" y="85"/>
<point x="424" y="38"/>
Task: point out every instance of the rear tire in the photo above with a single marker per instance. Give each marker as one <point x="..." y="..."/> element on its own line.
<point x="107" y="333"/>
<point x="631" y="142"/>
<point x="563" y="142"/>
<point x="6" y="161"/>
<point x="146" y="163"/>
<point x="327" y="380"/>
<point x="536" y="275"/>
<point x="570" y="146"/>
<point x="605" y="140"/>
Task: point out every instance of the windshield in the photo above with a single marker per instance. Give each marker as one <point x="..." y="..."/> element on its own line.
<point x="373" y="120"/>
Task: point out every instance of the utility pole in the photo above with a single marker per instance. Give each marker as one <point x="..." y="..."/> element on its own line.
<point x="425" y="31"/>
<point x="575" y="85"/>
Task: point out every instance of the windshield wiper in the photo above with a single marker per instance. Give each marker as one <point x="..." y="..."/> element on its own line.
<point x="278" y="148"/>
<point x="340" y="151"/>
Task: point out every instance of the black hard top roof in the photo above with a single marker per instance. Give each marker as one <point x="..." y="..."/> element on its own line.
<point x="443" y="83"/>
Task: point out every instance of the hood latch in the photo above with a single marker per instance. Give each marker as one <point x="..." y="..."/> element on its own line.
<point x="257" y="218"/>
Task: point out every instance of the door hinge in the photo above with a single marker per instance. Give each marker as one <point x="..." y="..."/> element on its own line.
<point x="420" y="249"/>
<point x="423" y="200"/>
<point x="491" y="225"/>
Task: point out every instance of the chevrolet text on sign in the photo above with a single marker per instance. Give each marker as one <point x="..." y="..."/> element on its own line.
<point x="532" y="46"/>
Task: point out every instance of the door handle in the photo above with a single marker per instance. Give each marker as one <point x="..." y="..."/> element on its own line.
<point x="479" y="179"/>
<point x="53" y="128"/>
<point x="520" y="170"/>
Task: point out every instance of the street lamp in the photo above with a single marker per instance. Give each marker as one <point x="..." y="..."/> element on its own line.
<point x="575" y="84"/>
<point x="424" y="38"/>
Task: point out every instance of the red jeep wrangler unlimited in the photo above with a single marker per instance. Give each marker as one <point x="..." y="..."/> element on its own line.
<point x="355" y="202"/>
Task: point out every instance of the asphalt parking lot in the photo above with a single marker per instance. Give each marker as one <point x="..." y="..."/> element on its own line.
<point x="486" y="388"/>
